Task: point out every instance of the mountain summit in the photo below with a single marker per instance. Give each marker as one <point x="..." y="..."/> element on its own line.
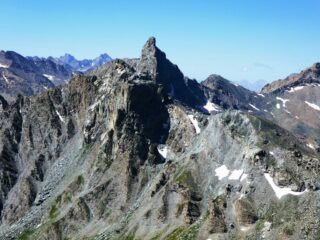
<point x="135" y="150"/>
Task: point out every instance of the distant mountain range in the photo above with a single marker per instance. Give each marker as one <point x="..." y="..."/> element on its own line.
<point x="31" y="75"/>
<point x="81" y="65"/>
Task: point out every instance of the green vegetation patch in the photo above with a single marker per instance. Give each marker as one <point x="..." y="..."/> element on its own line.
<point x="185" y="233"/>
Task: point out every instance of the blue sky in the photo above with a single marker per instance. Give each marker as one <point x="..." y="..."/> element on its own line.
<point x="240" y="40"/>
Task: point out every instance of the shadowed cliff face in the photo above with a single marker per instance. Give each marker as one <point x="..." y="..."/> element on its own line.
<point x="128" y="152"/>
<point x="154" y="65"/>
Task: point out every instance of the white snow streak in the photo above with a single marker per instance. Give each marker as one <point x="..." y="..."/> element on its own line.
<point x="280" y="192"/>
<point x="260" y="94"/>
<point x="314" y="106"/>
<point x="278" y="106"/>
<point x="50" y="77"/>
<point x="254" y="107"/>
<point x="61" y="118"/>
<point x="93" y="106"/>
<point x="5" y="78"/>
<point x="294" y="89"/>
<point x="311" y="146"/>
<point x="195" y="123"/>
<point x="4" y="66"/>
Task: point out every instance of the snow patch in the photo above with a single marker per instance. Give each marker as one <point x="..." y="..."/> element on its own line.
<point x="236" y="174"/>
<point x="222" y="172"/>
<point x="4" y="66"/>
<point x="314" y="106"/>
<point x="210" y="107"/>
<point x="60" y="117"/>
<point x="280" y="191"/>
<point x="163" y="151"/>
<point x="294" y="89"/>
<point x="311" y="146"/>
<point x="254" y="107"/>
<point x="283" y="101"/>
<point x="50" y="77"/>
<point x="261" y="95"/>
<point x="195" y="123"/>
<point x="278" y="106"/>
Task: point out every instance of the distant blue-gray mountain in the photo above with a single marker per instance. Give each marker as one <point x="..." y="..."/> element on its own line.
<point x="82" y="65"/>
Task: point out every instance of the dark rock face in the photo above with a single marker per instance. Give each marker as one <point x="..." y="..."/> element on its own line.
<point x="126" y="152"/>
<point x="154" y="65"/>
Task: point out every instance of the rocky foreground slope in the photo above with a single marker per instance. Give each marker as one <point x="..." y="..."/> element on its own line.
<point x="131" y="151"/>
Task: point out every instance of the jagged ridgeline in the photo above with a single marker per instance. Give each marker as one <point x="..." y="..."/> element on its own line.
<point x="136" y="150"/>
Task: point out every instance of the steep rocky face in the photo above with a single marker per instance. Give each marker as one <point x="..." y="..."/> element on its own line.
<point x="114" y="155"/>
<point x="154" y="65"/>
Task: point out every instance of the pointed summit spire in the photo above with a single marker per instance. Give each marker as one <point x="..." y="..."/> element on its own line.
<point x="150" y="57"/>
<point x="155" y="66"/>
<point x="151" y="42"/>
